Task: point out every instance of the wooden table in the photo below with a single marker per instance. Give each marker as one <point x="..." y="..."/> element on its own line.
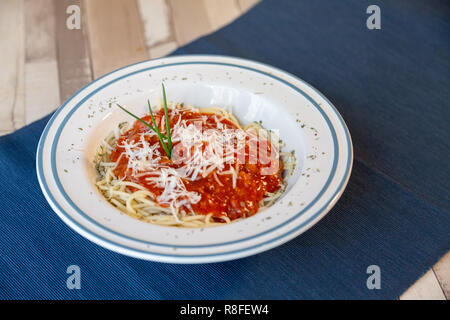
<point x="44" y="63"/>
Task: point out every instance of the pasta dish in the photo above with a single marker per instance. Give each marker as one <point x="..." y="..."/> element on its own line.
<point x="189" y="167"/>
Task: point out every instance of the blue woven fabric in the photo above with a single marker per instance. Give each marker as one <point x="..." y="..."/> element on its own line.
<point x="392" y="88"/>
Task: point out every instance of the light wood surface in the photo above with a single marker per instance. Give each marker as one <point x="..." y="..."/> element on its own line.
<point x="221" y="12"/>
<point x="246" y="5"/>
<point x="74" y="67"/>
<point x="442" y="272"/>
<point x="12" y="48"/>
<point x="41" y="68"/>
<point x="190" y="13"/>
<point x="156" y="18"/>
<point x="426" y="288"/>
<point x="44" y="63"/>
<point x="116" y="35"/>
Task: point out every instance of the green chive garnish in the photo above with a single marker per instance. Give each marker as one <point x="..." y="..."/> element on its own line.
<point x="167" y="148"/>
<point x="169" y="138"/>
<point x="160" y="135"/>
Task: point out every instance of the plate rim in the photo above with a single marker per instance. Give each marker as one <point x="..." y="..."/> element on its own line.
<point x="274" y="241"/>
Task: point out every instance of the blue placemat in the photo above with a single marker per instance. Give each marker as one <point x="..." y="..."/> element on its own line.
<point x="391" y="86"/>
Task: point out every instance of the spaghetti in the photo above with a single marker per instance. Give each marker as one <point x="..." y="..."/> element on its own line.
<point x="219" y="171"/>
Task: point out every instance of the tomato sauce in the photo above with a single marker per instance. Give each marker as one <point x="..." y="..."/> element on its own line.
<point x="219" y="199"/>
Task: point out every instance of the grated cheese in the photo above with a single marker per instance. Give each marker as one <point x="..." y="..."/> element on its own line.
<point x="206" y="151"/>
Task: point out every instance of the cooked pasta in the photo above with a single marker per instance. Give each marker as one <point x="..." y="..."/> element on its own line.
<point x="212" y="176"/>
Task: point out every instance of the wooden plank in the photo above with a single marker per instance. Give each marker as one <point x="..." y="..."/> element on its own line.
<point x="41" y="89"/>
<point x="74" y="69"/>
<point x="19" y="99"/>
<point x="116" y="34"/>
<point x="12" y="50"/>
<point x="190" y="20"/>
<point x="155" y="16"/>
<point x="426" y="288"/>
<point x="41" y="71"/>
<point x="246" y="5"/>
<point x="40" y="30"/>
<point x="161" y="50"/>
<point x="187" y="20"/>
<point x="442" y="271"/>
<point x="221" y="12"/>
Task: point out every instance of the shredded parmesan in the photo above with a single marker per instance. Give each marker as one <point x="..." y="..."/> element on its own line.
<point x="204" y="151"/>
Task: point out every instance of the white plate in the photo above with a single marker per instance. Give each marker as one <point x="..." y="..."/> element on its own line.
<point x="307" y="122"/>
